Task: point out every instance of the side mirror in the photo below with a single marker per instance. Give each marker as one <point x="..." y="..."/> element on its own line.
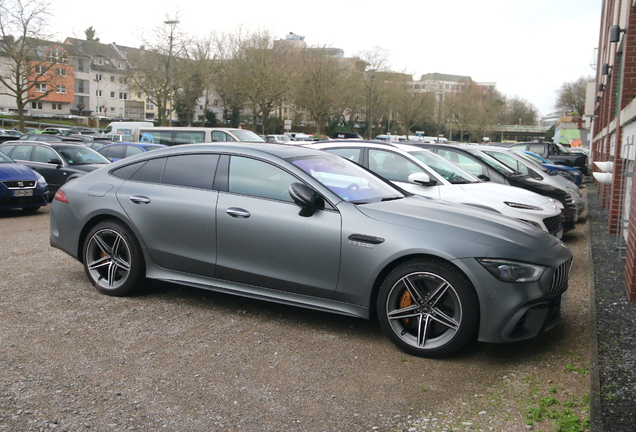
<point x="307" y="198"/>
<point x="483" y="177"/>
<point x="422" y="179"/>
<point x="54" y="161"/>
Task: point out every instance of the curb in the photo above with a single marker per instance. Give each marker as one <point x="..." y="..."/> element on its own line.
<point x="596" y="416"/>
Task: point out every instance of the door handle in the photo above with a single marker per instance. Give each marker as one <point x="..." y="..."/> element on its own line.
<point x="138" y="199"/>
<point x="238" y="213"/>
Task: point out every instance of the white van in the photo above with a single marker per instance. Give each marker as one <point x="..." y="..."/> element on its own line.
<point x="190" y="135"/>
<point x="125" y="128"/>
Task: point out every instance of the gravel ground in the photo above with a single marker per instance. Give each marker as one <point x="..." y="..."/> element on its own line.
<point x="615" y="325"/>
<point x="180" y="359"/>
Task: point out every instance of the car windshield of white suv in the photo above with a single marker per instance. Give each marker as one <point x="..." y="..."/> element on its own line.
<point x="347" y="179"/>
<point x="448" y="170"/>
<point x="80" y="155"/>
<point x="5" y="159"/>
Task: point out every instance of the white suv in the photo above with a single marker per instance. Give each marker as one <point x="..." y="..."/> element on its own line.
<point x="423" y="172"/>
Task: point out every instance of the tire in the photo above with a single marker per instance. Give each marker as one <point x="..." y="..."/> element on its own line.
<point x="428" y="308"/>
<point x="113" y="259"/>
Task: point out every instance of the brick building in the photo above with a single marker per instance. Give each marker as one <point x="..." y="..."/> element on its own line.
<point x="614" y="126"/>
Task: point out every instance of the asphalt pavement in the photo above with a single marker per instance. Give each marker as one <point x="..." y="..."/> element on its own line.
<point x="176" y="358"/>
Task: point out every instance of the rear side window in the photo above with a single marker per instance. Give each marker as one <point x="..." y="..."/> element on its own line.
<point x="194" y="170"/>
<point x="132" y="150"/>
<point x="150" y="172"/>
<point x="21" y="152"/>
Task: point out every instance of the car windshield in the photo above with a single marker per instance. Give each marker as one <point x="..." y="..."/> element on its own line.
<point x="494" y="163"/>
<point x="247" y="136"/>
<point x="347" y="179"/>
<point x="5" y="159"/>
<point x="81" y="155"/>
<point x="448" y="170"/>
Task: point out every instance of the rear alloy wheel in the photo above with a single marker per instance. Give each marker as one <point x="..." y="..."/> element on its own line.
<point x="113" y="260"/>
<point x="428" y="308"/>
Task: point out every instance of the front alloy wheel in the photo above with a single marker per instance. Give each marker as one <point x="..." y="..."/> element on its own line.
<point x="113" y="259"/>
<point x="428" y="308"/>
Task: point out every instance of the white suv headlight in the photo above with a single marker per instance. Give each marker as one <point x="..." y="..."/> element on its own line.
<point x="522" y="206"/>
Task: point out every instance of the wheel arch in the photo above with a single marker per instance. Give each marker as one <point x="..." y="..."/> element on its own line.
<point x="373" y="302"/>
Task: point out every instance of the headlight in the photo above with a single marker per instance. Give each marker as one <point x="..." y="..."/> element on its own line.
<point x="557" y="203"/>
<point x="522" y="206"/>
<point x="511" y="271"/>
<point x="574" y="192"/>
<point x="41" y="180"/>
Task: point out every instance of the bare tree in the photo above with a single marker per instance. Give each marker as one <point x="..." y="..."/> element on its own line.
<point x="571" y="96"/>
<point x="28" y="61"/>
<point x="518" y="111"/>
<point x="410" y="106"/>
<point x="256" y="70"/>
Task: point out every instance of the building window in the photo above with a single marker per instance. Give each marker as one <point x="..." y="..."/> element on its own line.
<point x="82" y="86"/>
<point x="98" y="77"/>
<point x="123" y="96"/>
<point x="98" y="93"/>
<point x="121" y="65"/>
<point x="60" y="72"/>
<point x="40" y="88"/>
<point x="112" y="110"/>
<point x="112" y="95"/>
<point x="56" y="106"/>
<point x="149" y="105"/>
<point x="123" y="80"/>
<point x="100" y="109"/>
<point x="36" y="105"/>
<point x="138" y="95"/>
<point x="60" y="89"/>
<point x="56" y="55"/>
<point x="112" y="79"/>
<point x="39" y="69"/>
<point x="80" y="65"/>
<point x="98" y="61"/>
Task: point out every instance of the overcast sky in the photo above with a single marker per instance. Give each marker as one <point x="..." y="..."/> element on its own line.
<point x="529" y="48"/>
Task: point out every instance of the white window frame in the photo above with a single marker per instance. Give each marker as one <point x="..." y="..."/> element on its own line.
<point x="40" y="88"/>
<point x="98" y="93"/>
<point x="123" y="96"/>
<point x="98" y="77"/>
<point x="36" y="105"/>
<point x="60" y="72"/>
<point x="60" y="89"/>
<point x="56" y="106"/>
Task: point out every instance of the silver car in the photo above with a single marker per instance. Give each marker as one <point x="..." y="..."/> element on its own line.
<point x="303" y="227"/>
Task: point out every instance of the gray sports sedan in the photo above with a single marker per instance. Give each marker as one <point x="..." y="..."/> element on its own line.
<point x="303" y="227"/>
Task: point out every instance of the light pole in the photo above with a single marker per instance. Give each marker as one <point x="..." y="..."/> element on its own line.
<point x="371" y="104"/>
<point x="172" y="24"/>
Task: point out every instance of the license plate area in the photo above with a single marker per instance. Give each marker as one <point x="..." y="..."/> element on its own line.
<point x="23" y="193"/>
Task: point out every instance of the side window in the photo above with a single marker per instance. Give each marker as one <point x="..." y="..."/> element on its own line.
<point x="132" y="150"/>
<point x="537" y="148"/>
<point x="221" y="136"/>
<point x="348" y="153"/>
<point x="464" y="162"/>
<point x="127" y="171"/>
<point x="195" y="171"/>
<point x="22" y="152"/>
<point x="44" y="154"/>
<point x="256" y="178"/>
<point x="391" y="165"/>
<point x="150" y="172"/>
<point x="182" y="137"/>
<point x="117" y="152"/>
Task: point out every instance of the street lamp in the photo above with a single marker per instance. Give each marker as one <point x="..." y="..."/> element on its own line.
<point x="172" y="24"/>
<point x="371" y="104"/>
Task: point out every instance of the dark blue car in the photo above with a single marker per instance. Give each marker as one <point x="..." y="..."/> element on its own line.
<point x="20" y="186"/>
<point x="122" y="150"/>
<point x="572" y="174"/>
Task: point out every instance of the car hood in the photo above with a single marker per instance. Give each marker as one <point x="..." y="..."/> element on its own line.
<point x="500" y="192"/>
<point x="459" y="221"/>
<point x="16" y="171"/>
<point x="537" y="186"/>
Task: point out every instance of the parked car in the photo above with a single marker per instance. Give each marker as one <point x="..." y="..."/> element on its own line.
<point x="119" y="137"/>
<point x="20" y="186"/>
<point x="572" y="174"/>
<point x="346" y="135"/>
<point x="32" y="136"/>
<point x="117" y="151"/>
<point x="485" y="167"/>
<point x="57" y="162"/>
<point x="425" y="173"/>
<point x="280" y="139"/>
<point x="303" y="227"/>
<point x="56" y="130"/>
<point x="557" y="154"/>
<point x="518" y="161"/>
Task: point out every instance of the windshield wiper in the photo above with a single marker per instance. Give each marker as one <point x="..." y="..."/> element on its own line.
<point x="392" y="198"/>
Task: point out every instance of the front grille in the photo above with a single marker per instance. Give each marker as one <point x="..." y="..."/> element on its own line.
<point x="560" y="278"/>
<point x="19" y="184"/>
<point x="569" y="201"/>
<point x="554" y="224"/>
